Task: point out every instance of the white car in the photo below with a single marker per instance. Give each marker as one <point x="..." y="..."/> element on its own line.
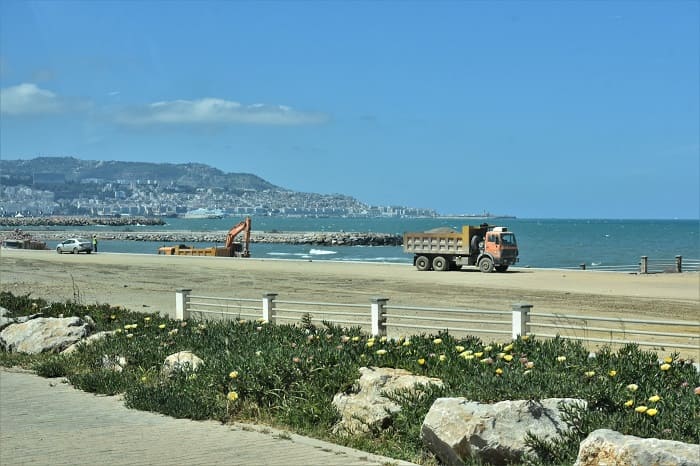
<point x="74" y="246"/>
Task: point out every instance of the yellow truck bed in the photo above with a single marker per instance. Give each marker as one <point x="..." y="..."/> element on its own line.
<point x="441" y="242"/>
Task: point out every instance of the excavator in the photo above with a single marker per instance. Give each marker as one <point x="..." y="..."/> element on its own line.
<point x="230" y="249"/>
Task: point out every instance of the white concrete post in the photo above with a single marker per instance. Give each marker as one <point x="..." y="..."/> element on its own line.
<point x="521" y="318"/>
<point x="182" y="296"/>
<point x="378" y="317"/>
<point x="268" y="307"/>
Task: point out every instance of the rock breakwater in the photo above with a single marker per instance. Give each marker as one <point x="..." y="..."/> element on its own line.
<point x="184" y="237"/>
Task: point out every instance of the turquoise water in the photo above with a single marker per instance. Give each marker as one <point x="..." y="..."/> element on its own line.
<point x="546" y="243"/>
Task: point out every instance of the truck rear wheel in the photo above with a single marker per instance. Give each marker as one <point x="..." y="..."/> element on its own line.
<point x="486" y="265"/>
<point x="440" y="264"/>
<point x="501" y="268"/>
<point x="422" y="263"/>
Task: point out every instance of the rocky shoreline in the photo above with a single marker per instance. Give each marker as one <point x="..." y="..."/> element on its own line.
<point x="184" y="237"/>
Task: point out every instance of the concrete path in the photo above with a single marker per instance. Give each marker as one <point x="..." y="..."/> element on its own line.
<point x="48" y="422"/>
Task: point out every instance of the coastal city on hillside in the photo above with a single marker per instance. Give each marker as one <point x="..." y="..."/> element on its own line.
<point x="145" y="198"/>
<point x="68" y="186"/>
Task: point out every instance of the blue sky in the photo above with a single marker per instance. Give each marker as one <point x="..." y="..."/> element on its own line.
<point x="557" y="109"/>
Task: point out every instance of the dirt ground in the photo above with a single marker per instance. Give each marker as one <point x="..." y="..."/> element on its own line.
<point x="148" y="282"/>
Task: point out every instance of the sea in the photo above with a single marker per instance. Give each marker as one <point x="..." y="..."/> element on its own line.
<point x="543" y="243"/>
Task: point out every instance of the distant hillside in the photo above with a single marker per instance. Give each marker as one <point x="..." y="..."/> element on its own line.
<point x="43" y="170"/>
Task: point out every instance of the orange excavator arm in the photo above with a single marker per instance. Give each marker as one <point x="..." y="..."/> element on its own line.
<point x="242" y="227"/>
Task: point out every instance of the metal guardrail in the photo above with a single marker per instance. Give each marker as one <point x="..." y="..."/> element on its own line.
<point x="492" y="324"/>
<point x="647" y="265"/>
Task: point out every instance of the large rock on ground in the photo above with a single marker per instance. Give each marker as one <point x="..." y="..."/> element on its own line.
<point x="457" y="429"/>
<point x="610" y="448"/>
<point x="182" y="361"/>
<point x="44" y="334"/>
<point x="366" y="404"/>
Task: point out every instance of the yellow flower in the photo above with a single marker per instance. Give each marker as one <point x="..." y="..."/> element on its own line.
<point x="407" y="343"/>
<point x="144" y="379"/>
<point x="233" y="374"/>
<point x="442" y="357"/>
<point x="479" y="354"/>
<point x="383" y="339"/>
<point x="161" y="326"/>
<point x="356" y="338"/>
<point x="146" y="319"/>
<point x="629" y="403"/>
<point x="530" y="364"/>
<point x="467" y="356"/>
<point x="527" y="372"/>
<point x="488" y="348"/>
<point x="370" y="344"/>
<point x="437" y="341"/>
<point x="665" y="367"/>
<point x="129" y="335"/>
<point x="118" y="330"/>
<point x="508" y="357"/>
<point x="500" y="355"/>
<point x="112" y="317"/>
<point x="381" y="352"/>
<point x="421" y="361"/>
<point x="633" y="387"/>
<point x="561" y="358"/>
<point x="668" y="359"/>
<point x="232" y="396"/>
<point x="524" y="337"/>
<point x="589" y="374"/>
<point x="654" y="398"/>
<point x="640" y="409"/>
<point x="459" y="349"/>
<point x="258" y="353"/>
<point x="499" y="371"/>
<point x="652" y="411"/>
<point x="612" y="373"/>
<point x="508" y="348"/>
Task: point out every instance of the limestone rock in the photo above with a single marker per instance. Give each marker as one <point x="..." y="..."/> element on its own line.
<point x="90" y="339"/>
<point x="114" y="363"/>
<point x="366" y="405"/>
<point x="44" y="334"/>
<point x="610" y="448"/>
<point x="457" y="429"/>
<point x="182" y="361"/>
<point x="6" y="320"/>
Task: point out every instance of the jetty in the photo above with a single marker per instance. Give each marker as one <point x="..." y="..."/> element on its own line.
<point x="305" y="238"/>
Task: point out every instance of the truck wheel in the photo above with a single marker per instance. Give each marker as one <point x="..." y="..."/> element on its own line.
<point x="440" y="264"/>
<point x="501" y="268"/>
<point x="486" y="265"/>
<point x="422" y="263"/>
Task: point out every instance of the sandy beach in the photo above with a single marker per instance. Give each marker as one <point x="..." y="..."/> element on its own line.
<point x="148" y="283"/>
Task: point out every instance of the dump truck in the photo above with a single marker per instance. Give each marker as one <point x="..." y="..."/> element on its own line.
<point x="487" y="247"/>
<point x="230" y="249"/>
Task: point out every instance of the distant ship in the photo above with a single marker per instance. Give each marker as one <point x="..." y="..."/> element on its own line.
<point x="203" y="213"/>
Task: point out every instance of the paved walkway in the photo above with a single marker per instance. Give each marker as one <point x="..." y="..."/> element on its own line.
<point x="48" y="422"/>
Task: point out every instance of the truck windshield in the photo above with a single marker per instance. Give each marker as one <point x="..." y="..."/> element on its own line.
<point x="508" y="239"/>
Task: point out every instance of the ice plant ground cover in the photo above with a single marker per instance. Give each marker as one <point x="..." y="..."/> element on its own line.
<point x="286" y="376"/>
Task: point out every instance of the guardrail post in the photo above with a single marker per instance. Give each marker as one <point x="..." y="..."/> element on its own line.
<point x="521" y="318"/>
<point x="182" y="301"/>
<point x="268" y="307"/>
<point x="644" y="265"/>
<point x="679" y="264"/>
<point x="378" y="317"/>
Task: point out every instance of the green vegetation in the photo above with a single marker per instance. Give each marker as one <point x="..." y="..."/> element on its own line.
<point x="286" y="376"/>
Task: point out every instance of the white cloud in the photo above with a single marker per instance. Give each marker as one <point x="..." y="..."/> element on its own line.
<point x="28" y="99"/>
<point x="216" y="111"/>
